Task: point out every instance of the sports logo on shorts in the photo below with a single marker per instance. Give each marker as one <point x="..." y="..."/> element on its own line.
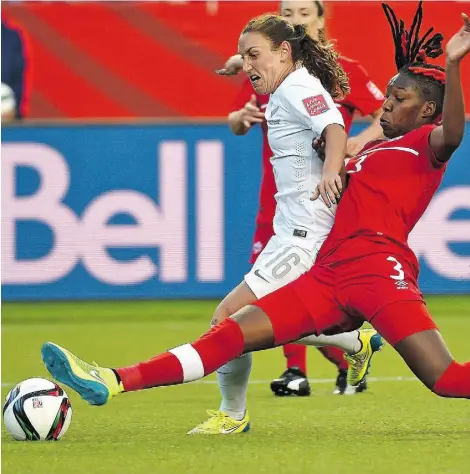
<point x="258" y="274"/>
<point x="37" y="403"/>
<point x="315" y="105"/>
<point x="401" y="285"/>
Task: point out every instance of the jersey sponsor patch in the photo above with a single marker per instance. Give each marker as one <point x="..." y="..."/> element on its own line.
<point x="315" y="105"/>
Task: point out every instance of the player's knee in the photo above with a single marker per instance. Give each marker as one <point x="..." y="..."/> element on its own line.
<point x="221" y="313"/>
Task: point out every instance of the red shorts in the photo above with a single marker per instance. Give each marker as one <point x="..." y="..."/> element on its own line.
<point x="262" y="235"/>
<point x="340" y="297"/>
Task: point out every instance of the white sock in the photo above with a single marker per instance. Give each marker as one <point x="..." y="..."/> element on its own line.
<point x="232" y="379"/>
<point x="348" y="341"/>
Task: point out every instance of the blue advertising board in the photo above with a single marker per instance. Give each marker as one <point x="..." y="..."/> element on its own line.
<point x="166" y="211"/>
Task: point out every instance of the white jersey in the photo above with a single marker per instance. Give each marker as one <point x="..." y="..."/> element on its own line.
<point x="297" y="113"/>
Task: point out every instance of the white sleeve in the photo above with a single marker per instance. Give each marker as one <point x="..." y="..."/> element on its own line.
<point x="313" y="106"/>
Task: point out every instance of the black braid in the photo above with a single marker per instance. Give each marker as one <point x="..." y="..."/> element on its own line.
<point x="409" y="48"/>
<point x="411" y="53"/>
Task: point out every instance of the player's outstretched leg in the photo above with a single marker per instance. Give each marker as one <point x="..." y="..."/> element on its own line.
<point x="250" y="329"/>
<point x="426" y="354"/>
<point x="408" y="326"/>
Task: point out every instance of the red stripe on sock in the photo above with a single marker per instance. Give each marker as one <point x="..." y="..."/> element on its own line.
<point x="220" y="345"/>
<point x="164" y="369"/>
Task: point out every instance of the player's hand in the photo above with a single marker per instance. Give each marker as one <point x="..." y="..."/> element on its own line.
<point x="251" y="113"/>
<point x="232" y="67"/>
<point x="319" y="146"/>
<point x="354" y="146"/>
<point x="459" y="45"/>
<point x="329" y="188"/>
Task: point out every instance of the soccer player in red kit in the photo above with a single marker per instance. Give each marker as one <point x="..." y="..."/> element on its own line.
<point x="364" y="98"/>
<point x="365" y="270"/>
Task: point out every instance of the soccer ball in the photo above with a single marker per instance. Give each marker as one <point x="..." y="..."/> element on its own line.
<point x="37" y="410"/>
<point x="8" y="103"/>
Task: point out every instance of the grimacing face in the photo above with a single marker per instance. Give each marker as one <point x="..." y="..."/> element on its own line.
<point x="405" y="107"/>
<point x="303" y="13"/>
<point x="265" y="68"/>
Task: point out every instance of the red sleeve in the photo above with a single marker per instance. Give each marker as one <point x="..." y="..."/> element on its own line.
<point x="421" y="143"/>
<point x="432" y="156"/>
<point x="243" y="96"/>
<point x="365" y="96"/>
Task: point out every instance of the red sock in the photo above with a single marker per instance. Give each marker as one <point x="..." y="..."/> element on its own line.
<point x="188" y="362"/>
<point x="335" y="356"/>
<point x="454" y="382"/>
<point x="296" y="355"/>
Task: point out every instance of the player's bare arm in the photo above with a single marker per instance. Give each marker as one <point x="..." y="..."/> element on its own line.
<point x="445" y="139"/>
<point x="240" y="121"/>
<point x="331" y="186"/>
<point x="232" y="67"/>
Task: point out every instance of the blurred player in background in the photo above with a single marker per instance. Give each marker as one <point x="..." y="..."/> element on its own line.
<point x="13" y="73"/>
<point x="301" y="74"/>
<point x="364" y="98"/>
<point x="365" y="270"/>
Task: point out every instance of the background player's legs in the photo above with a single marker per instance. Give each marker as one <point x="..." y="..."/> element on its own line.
<point x="293" y="381"/>
<point x="336" y="357"/>
<point x="296" y="356"/>
<point x="408" y="326"/>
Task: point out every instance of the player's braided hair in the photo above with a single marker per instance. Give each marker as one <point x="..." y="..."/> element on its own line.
<point x="317" y="56"/>
<point x="411" y="53"/>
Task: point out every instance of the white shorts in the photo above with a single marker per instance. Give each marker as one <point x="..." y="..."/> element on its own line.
<point x="280" y="263"/>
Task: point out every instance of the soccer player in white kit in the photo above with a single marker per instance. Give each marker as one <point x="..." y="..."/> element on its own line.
<point x="301" y="74"/>
<point x="299" y="111"/>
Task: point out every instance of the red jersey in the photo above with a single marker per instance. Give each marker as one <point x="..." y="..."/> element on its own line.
<point x="391" y="183"/>
<point x="365" y="98"/>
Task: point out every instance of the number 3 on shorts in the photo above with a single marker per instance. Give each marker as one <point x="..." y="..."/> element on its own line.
<point x="398" y="267"/>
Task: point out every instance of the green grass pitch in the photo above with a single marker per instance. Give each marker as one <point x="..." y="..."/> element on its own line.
<point x="397" y="426"/>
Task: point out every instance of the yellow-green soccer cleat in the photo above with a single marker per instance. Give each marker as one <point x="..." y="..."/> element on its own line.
<point x="221" y="424"/>
<point x="94" y="384"/>
<point x="359" y="363"/>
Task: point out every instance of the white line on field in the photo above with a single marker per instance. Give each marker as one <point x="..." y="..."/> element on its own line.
<point x="313" y="381"/>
